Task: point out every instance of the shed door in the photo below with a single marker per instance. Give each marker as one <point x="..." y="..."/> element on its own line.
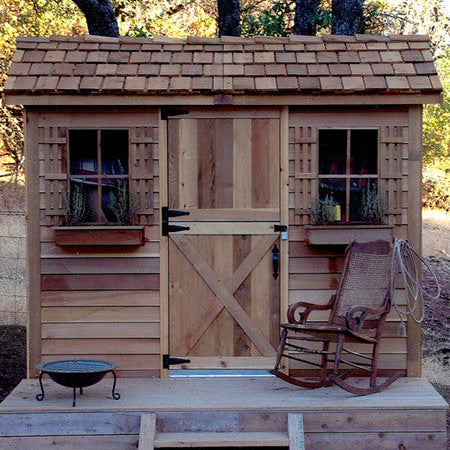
<point x="223" y="298"/>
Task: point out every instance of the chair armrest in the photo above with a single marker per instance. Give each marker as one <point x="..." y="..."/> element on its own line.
<point x="357" y="315"/>
<point x="293" y="312"/>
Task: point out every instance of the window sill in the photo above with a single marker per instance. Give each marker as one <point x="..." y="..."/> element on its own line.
<point x="98" y="235"/>
<point x="344" y="234"/>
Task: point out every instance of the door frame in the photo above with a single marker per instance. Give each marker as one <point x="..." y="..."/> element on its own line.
<point x="164" y="240"/>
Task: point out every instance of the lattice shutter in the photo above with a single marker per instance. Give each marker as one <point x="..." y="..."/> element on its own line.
<point x="53" y="161"/>
<point x="303" y="170"/>
<point x="144" y="158"/>
<point x="394" y="172"/>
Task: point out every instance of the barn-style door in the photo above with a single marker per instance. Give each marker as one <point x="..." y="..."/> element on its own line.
<point x="223" y="169"/>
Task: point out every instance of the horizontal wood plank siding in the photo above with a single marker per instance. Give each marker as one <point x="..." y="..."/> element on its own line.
<point x="101" y="301"/>
<point x="314" y="271"/>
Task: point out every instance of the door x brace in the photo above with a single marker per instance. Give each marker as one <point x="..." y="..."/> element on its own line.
<point x="224" y="291"/>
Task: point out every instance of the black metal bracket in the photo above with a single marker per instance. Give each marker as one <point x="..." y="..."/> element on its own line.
<point x="167" y="112"/>
<point x="165" y="214"/>
<point x="279" y="228"/>
<point x="168" y="361"/>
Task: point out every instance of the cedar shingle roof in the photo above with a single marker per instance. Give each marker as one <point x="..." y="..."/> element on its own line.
<point x="124" y="65"/>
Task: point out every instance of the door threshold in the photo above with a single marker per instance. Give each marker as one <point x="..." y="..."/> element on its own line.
<point x="202" y="373"/>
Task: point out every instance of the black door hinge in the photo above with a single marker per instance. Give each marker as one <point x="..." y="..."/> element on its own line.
<point x="168" y="361"/>
<point x="166" y="228"/>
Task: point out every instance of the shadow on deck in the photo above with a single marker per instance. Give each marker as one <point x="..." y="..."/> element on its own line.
<point x="201" y="412"/>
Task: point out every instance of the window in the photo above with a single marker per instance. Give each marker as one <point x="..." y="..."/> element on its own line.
<point x="348" y="167"/>
<point x="99" y="174"/>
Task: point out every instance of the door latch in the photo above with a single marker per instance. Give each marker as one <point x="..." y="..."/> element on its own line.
<point x="283" y="229"/>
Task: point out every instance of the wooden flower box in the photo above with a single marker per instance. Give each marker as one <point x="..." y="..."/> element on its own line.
<point x="344" y="234"/>
<point x="99" y="235"/>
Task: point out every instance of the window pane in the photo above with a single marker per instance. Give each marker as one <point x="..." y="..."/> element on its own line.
<point x="363" y="151"/>
<point x="114" y="145"/>
<point x="334" y="189"/>
<point x="83" y="201"/>
<point x="364" y="200"/>
<point x="115" y="200"/>
<point x="83" y="152"/>
<point x="332" y="151"/>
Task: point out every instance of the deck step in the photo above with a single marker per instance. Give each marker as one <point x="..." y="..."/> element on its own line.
<point x="221" y="439"/>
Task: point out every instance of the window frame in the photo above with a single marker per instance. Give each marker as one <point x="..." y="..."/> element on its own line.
<point x="101" y="217"/>
<point x="348" y="175"/>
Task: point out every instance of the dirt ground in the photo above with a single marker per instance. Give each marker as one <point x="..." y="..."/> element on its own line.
<point x="436" y="241"/>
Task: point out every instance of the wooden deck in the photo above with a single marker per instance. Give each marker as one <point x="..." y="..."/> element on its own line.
<point x="201" y="412"/>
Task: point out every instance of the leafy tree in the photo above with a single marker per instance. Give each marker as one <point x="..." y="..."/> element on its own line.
<point x="27" y="18"/>
<point x="271" y="21"/>
<point x="436" y="120"/>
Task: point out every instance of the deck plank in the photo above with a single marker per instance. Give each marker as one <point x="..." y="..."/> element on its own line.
<point x="209" y="394"/>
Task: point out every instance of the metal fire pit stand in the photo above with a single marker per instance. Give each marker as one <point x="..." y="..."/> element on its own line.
<point x="77" y="373"/>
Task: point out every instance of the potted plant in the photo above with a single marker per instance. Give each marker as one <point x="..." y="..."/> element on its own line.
<point x="328" y="230"/>
<point x="123" y="207"/>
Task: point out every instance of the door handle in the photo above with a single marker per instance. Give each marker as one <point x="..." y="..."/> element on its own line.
<point x="275" y="261"/>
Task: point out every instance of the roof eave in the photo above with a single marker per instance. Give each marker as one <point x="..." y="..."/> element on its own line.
<point x="288" y="99"/>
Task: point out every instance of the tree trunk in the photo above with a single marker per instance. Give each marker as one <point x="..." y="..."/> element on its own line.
<point x="229" y="17"/>
<point x="304" y="20"/>
<point x="347" y="15"/>
<point x="100" y="17"/>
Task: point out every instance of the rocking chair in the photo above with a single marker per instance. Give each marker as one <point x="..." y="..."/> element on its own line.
<point x="358" y="311"/>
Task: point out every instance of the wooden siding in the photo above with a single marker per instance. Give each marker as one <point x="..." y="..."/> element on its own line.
<point x="314" y="271"/>
<point x="100" y="301"/>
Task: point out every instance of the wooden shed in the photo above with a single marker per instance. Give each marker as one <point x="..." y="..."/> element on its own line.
<point x="244" y="134"/>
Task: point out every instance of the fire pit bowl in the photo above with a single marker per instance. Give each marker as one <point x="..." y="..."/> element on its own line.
<point x="77" y="373"/>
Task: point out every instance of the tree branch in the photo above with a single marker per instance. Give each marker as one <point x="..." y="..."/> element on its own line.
<point x="100" y="17"/>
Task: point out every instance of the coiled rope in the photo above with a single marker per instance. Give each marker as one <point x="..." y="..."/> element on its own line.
<point x="405" y="262"/>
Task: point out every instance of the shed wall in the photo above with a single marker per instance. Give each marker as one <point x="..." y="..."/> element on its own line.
<point x="99" y="301"/>
<point x="104" y="302"/>
<point x="314" y="271"/>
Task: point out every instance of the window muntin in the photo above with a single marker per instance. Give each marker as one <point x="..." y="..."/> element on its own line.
<point x="348" y="164"/>
<point x="99" y="165"/>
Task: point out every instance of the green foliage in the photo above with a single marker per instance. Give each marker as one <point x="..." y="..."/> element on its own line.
<point x="124" y="204"/>
<point x="323" y="211"/>
<point x="436" y="118"/>
<point x="436" y="185"/>
<point x="183" y="18"/>
<point x="372" y="208"/>
<point x="76" y="209"/>
<point x="273" y="21"/>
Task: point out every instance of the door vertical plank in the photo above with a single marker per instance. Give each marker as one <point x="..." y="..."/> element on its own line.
<point x="242" y="249"/>
<point x="260" y="163"/>
<point x="224" y="163"/>
<point x="206" y="155"/>
<point x="173" y="169"/>
<point x="224" y="267"/>
<point x="188" y="164"/>
<point x="242" y="163"/>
